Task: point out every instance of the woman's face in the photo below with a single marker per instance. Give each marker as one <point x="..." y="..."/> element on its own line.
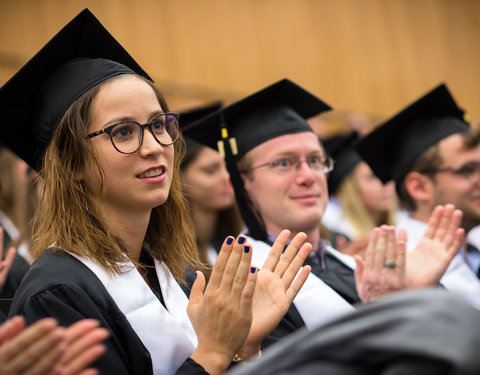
<point x="132" y="182"/>
<point x="206" y="181"/>
<point x="377" y="197"/>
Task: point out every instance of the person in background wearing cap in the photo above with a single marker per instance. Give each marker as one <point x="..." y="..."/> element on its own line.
<point x="279" y="169"/>
<point x="358" y="200"/>
<point x="112" y="233"/>
<point x="207" y="187"/>
<point x="434" y="158"/>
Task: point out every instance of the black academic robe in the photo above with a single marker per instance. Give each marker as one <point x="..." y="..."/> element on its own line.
<point x="60" y="286"/>
<point x="337" y="276"/>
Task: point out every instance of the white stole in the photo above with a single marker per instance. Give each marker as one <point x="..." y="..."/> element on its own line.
<point x="316" y="302"/>
<point x="168" y="335"/>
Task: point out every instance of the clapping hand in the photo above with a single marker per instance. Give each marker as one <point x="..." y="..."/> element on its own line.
<point x="222" y="315"/>
<point x="277" y="287"/>
<point x="442" y="240"/>
<point x="384" y="269"/>
<point x="45" y="348"/>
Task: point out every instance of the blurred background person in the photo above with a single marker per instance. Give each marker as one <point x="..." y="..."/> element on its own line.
<point x="207" y="187"/>
<point x="13" y="185"/>
<point x="358" y="201"/>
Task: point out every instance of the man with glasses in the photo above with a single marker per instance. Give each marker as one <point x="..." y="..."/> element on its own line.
<point x="279" y="171"/>
<point x="433" y="156"/>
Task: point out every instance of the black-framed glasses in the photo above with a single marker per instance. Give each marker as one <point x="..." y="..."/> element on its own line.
<point x="287" y="164"/>
<point x="470" y="170"/>
<point x="127" y="136"/>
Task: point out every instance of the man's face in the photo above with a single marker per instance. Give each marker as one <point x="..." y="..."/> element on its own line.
<point x="454" y="187"/>
<point x="295" y="200"/>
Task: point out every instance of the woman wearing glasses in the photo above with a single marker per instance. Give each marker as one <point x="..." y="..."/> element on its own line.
<point x="112" y="234"/>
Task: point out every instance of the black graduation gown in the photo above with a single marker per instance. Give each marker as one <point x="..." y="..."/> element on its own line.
<point x="337" y="276"/>
<point x="60" y="286"/>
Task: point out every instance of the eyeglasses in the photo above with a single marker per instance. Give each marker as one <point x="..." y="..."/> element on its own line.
<point x="286" y="165"/>
<point x="471" y="171"/>
<point x="127" y="136"/>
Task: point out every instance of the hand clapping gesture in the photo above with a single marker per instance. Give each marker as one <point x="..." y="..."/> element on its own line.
<point x="276" y="288"/>
<point x="384" y="269"/>
<point x="222" y="315"/>
<point x="44" y="348"/>
<point x="241" y="305"/>
<point x="442" y="240"/>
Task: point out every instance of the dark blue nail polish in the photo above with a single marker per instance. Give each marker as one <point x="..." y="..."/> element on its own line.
<point x="253" y="269"/>
<point x="246" y="248"/>
<point x="195" y="276"/>
<point x="229" y="240"/>
<point x="241" y="240"/>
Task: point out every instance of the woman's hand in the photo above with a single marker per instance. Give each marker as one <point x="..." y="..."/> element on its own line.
<point x="276" y="288"/>
<point x="384" y="269"/>
<point x="222" y="315"/>
<point x="44" y="348"/>
<point x="442" y="240"/>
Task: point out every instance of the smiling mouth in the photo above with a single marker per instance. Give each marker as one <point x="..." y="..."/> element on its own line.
<point x="313" y="196"/>
<point x="152" y="173"/>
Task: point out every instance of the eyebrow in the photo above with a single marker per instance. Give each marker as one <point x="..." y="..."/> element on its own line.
<point x="129" y="118"/>
<point x="293" y="153"/>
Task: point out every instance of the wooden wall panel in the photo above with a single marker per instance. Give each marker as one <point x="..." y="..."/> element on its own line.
<point x="371" y="55"/>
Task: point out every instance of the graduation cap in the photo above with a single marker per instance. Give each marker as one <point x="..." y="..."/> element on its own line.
<point x="279" y="109"/>
<point x="192" y="115"/>
<point x="80" y="56"/>
<point x="394" y="146"/>
<point x="341" y="149"/>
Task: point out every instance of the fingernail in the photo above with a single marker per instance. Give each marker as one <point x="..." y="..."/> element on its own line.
<point x="253" y="269"/>
<point x="195" y="278"/>
<point x="246" y="248"/>
<point x="229" y="240"/>
<point x="241" y="240"/>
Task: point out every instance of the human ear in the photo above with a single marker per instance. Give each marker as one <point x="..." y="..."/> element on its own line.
<point x="419" y="186"/>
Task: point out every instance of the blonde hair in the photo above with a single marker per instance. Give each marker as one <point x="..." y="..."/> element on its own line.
<point x="66" y="216"/>
<point x="354" y="209"/>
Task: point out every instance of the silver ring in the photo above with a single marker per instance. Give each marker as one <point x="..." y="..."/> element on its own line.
<point x="389" y="264"/>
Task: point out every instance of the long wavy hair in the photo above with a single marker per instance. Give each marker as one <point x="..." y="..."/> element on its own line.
<point x="66" y="216"/>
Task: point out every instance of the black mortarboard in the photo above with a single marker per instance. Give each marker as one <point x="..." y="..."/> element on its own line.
<point x="341" y="149"/>
<point x="80" y="56"/>
<point x="192" y="115"/>
<point x="279" y="109"/>
<point x="393" y="147"/>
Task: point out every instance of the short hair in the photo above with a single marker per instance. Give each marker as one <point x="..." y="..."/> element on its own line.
<point x="430" y="159"/>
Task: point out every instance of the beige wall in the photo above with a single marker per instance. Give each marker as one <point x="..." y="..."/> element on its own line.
<point x="361" y="55"/>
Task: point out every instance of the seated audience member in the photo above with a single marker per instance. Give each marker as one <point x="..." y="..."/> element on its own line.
<point x="112" y="234"/>
<point x="13" y="185"/>
<point x="358" y="200"/>
<point x="279" y="170"/>
<point x="207" y="186"/>
<point x="434" y="158"/>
